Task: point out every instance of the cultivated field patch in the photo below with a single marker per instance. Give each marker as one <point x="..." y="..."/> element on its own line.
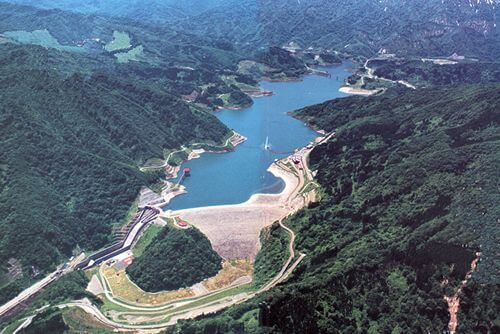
<point x="132" y="55"/>
<point x="121" y="41"/>
<point x="38" y="37"/>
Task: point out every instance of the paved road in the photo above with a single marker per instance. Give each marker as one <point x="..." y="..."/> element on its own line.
<point x="29" y="292"/>
<point x="370" y="73"/>
<point x="165" y="164"/>
<point x="211" y="307"/>
<point x="189" y="313"/>
<point x="37" y="287"/>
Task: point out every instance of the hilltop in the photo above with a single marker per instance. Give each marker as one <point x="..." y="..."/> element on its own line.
<point x="402" y="234"/>
<point x="359" y="28"/>
<point x="182" y="63"/>
<point x="190" y="260"/>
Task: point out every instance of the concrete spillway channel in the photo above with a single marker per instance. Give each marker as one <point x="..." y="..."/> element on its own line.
<point x="141" y="220"/>
<point x="133" y="230"/>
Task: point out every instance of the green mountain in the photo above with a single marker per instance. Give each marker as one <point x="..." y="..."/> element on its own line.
<point x="176" y="258"/>
<point x="410" y="193"/>
<point x="94" y="34"/>
<point x="181" y="63"/>
<point x="362" y="27"/>
<point x="426" y="73"/>
<point x="90" y="90"/>
<point x="153" y="11"/>
<point x="71" y="147"/>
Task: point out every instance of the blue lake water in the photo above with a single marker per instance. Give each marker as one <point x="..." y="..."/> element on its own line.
<point x="231" y="178"/>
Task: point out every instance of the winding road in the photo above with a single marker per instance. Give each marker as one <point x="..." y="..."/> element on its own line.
<point x="210" y="307"/>
<point x="370" y="73"/>
<point x="171" y="315"/>
<point x="183" y="148"/>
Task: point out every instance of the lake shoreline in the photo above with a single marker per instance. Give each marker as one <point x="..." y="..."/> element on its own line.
<point x="234" y="229"/>
<point x="245" y="176"/>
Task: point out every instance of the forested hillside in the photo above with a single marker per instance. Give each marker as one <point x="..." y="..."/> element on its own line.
<point x="91" y="33"/>
<point x="176" y="258"/>
<point x="282" y="62"/>
<point x="153" y="11"/>
<point x="426" y="73"/>
<point x="182" y="63"/>
<point x="408" y="186"/>
<point x="362" y="27"/>
<point x="85" y="100"/>
<point x="410" y="195"/>
<point x="71" y="147"/>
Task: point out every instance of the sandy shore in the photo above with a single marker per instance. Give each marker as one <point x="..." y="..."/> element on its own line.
<point x="291" y="183"/>
<point x="234" y="230"/>
<point x="358" y="91"/>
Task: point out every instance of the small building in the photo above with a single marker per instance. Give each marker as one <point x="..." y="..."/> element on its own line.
<point x="182" y="223"/>
<point x="187" y="171"/>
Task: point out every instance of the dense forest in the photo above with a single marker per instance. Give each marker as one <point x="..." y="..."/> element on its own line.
<point x="91" y="33"/>
<point x="408" y="201"/>
<point x="281" y="61"/>
<point x="273" y="254"/>
<point x="363" y="27"/>
<point x="49" y="319"/>
<point x="71" y="151"/>
<point x="176" y="258"/>
<point x="158" y="11"/>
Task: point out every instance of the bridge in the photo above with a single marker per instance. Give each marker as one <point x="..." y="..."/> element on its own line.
<point x="186" y="172"/>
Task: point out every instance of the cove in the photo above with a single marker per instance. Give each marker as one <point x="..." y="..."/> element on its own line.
<point x="231" y="178"/>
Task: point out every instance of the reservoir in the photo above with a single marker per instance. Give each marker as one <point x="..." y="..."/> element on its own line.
<point x="231" y="178"/>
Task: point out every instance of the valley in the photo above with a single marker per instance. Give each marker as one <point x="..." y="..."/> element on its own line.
<point x="249" y="166"/>
<point x="233" y="230"/>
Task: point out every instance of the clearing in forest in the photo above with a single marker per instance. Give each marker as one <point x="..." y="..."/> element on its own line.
<point x="121" y="41"/>
<point x="233" y="272"/>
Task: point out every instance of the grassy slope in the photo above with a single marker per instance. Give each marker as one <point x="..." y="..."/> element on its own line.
<point x="180" y="62"/>
<point x="407" y="182"/>
<point x="273" y="254"/>
<point x="162" y="45"/>
<point x="146" y="238"/>
<point x="69" y="172"/>
<point x="360" y="27"/>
